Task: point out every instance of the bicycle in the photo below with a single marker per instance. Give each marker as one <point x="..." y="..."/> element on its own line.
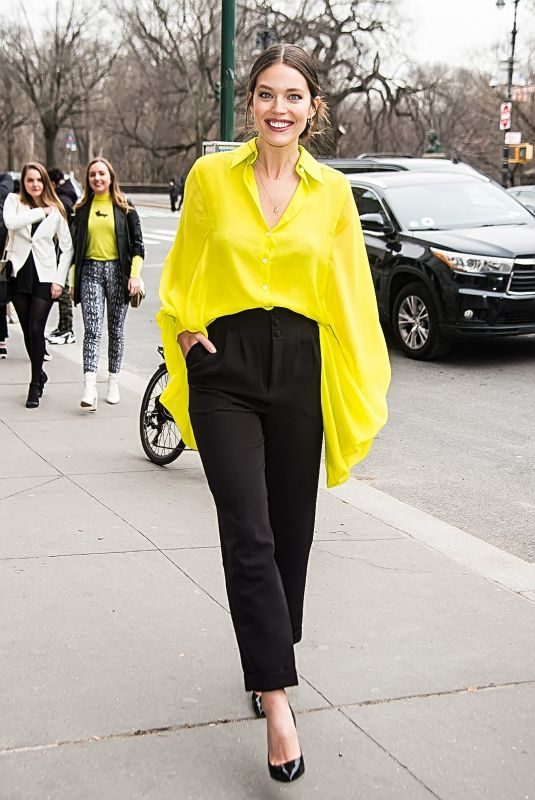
<point x="160" y="437"/>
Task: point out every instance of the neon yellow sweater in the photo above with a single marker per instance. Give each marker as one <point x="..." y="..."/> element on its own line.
<point x="101" y="239"/>
<point x="225" y="259"/>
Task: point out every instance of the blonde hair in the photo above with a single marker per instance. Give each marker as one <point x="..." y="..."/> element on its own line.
<point x="48" y="197"/>
<point x="117" y="197"/>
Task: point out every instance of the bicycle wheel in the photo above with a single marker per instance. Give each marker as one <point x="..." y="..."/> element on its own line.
<point x="160" y="437"/>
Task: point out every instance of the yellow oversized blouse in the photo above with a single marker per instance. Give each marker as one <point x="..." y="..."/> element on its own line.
<point x="226" y="259"/>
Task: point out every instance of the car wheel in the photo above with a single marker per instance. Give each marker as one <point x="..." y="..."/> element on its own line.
<point x="416" y="325"/>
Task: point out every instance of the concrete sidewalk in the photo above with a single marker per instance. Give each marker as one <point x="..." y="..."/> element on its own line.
<point x="119" y="673"/>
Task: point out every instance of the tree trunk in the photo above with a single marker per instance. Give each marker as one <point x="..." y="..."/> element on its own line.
<point x="10" y="136"/>
<point x="51" y="134"/>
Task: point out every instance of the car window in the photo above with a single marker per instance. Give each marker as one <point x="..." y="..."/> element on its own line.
<point x="443" y="206"/>
<point x="367" y="201"/>
<point x="528" y="196"/>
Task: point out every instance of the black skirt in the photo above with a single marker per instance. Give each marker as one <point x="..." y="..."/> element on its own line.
<point x="26" y="281"/>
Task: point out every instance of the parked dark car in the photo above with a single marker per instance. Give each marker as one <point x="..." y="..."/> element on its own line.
<point x="525" y="194"/>
<point x="452" y="256"/>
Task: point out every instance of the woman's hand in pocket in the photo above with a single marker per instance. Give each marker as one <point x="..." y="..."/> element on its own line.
<point x="187" y="339"/>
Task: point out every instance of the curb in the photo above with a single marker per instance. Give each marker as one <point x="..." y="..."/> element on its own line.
<point x="488" y="561"/>
<point x="485" y="559"/>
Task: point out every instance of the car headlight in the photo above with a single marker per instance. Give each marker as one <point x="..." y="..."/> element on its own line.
<point x="467" y="262"/>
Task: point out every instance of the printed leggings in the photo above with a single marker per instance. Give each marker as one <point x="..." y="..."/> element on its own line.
<point x="101" y="283"/>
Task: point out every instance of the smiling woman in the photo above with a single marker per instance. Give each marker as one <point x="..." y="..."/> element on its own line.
<point x="109" y="255"/>
<point x="272" y="338"/>
<point x="37" y="223"/>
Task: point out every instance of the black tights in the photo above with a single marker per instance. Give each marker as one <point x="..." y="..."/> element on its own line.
<point x="33" y="313"/>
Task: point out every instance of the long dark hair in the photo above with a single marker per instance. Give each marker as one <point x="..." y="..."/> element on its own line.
<point x="49" y="196"/>
<point x="117" y="197"/>
<point x="293" y="56"/>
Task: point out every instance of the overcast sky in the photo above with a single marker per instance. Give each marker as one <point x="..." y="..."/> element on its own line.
<point x="460" y="32"/>
<point x="466" y="31"/>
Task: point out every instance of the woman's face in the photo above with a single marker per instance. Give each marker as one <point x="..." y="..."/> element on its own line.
<point x="33" y="183"/>
<point x="281" y="105"/>
<point x="99" y="178"/>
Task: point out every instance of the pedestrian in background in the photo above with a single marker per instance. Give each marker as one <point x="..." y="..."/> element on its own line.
<point x="40" y="250"/>
<point x="64" y="333"/>
<point x="6" y="186"/>
<point x="272" y="338"/>
<point x="173" y="194"/>
<point x="181" y="183"/>
<point x="108" y="257"/>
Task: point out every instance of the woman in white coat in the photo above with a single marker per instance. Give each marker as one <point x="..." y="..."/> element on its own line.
<point x="40" y="250"/>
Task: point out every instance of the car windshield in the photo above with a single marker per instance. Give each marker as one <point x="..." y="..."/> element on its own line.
<point x="449" y="205"/>
<point x="522" y="195"/>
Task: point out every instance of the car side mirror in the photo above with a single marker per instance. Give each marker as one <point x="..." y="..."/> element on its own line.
<point x="375" y="223"/>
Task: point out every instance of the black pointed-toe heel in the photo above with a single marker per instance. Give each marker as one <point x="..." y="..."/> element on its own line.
<point x="291" y="770"/>
<point x="286" y="773"/>
<point x="33" y="396"/>
<point x="256" y="702"/>
<point x="42" y="380"/>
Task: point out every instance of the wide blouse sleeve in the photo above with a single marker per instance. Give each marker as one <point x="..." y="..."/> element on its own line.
<point x="175" y="284"/>
<point x="356" y="370"/>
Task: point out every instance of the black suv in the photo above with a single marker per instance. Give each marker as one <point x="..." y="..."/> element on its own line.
<point x="452" y="256"/>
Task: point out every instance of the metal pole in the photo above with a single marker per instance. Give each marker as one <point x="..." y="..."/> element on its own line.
<point x="510" y="70"/>
<point x="228" y="40"/>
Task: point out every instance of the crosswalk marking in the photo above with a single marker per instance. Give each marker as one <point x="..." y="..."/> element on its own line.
<point x="148" y="238"/>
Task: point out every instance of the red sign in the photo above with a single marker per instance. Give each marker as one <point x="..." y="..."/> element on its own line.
<point x="505" y="116"/>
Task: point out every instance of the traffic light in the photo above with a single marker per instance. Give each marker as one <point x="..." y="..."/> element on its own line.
<point x="520" y="153"/>
<point x="217" y="90"/>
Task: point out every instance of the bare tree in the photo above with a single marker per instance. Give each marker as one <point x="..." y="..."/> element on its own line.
<point x="14" y="113"/>
<point x="59" y="69"/>
<point x="344" y="39"/>
<point x="176" y="50"/>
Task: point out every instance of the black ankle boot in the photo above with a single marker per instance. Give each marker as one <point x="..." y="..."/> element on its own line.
<point x="33" y="396"/>
<point x="42" y="380"/>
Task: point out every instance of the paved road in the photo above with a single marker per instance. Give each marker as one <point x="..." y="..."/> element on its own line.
<point x="460" y="442"/>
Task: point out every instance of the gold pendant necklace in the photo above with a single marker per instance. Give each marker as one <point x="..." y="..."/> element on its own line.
<point x="276" y="206"/>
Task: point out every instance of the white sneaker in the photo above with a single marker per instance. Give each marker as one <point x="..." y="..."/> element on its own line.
<point x="67" y="337"/>
<point x="47" y="356"/>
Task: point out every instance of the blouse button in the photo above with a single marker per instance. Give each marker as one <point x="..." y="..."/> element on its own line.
<point x="268" y="233"/>
<point x="264" y="261"/>
<point x="265" y="287"/>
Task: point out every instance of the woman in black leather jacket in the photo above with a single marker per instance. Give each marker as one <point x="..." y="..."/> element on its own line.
<point x="108" y="256"/>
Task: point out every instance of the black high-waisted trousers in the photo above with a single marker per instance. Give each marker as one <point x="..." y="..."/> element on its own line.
<point x="255" y="408"/>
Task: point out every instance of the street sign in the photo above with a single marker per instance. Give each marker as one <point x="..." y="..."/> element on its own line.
<point x="505" y="116"/>
<point x="513" y="137"/>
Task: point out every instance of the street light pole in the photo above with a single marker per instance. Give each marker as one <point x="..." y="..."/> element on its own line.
<point x="510" y="70"/>
<point x="228" y="39"/>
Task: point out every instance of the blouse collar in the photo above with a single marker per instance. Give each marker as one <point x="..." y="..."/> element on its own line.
<point x="306" y="164"/>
